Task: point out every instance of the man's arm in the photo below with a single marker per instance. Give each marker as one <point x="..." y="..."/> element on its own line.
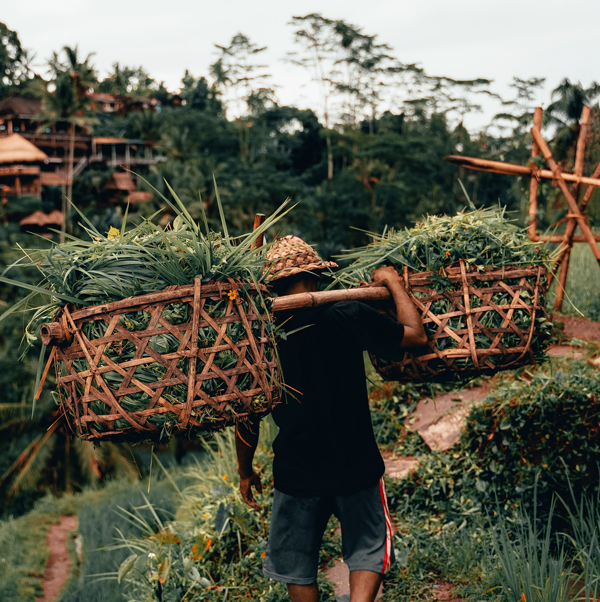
<point x="246" y="440"/>
<point x="406" y="312"/>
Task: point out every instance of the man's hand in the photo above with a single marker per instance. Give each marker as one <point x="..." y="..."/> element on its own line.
<point x="246" y="484"/>
<point x="406" y="312"/>
<point x="386" y="276"/>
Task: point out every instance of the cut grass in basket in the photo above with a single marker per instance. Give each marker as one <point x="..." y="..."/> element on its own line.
<point x="148" y="258"/>
<point x="484" y="240"/>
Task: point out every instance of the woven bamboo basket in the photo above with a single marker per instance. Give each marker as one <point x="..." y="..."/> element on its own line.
<point x="166" y="363"/>
<point x="477" y="322"/>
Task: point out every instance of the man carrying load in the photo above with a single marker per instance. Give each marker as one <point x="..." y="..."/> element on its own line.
<point x="326" y="458"/>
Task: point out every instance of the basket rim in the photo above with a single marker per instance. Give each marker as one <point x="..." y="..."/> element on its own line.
<point x="175" y="292"/>
<point x="453" y="273"/>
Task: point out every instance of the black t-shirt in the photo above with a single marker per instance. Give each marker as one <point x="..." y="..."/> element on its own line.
<point x="326" y="444"/>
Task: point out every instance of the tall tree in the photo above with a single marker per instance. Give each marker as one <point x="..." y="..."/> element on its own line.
<point x="519" y="110"/>
<point x="564" y="113"/>
<point x="14" y="68"/>
<point x="61" y="103"/>
<point x="128" y="81"/>
<point x="319" y="55"/>
<point x="365" y="70"/>
<point x="238" y="72"/>
<point x="80" y="71"/>
<point x="240" y="77"/>
<point x="199" y="95"/>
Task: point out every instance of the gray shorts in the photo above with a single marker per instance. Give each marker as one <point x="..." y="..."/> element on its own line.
<point x="298" y="524"/>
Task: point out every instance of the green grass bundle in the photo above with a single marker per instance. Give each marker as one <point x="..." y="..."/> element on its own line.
<point x="482" y="238"/>
<point x="485" y="241"/>
<point x="125" y="264"/>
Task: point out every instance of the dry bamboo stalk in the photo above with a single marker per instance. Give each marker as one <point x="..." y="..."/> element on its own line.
<point x="467" y="303"/>
<point x="45" y="374"/>
<point x="590" y="189"/>
<point x="259" y="220"/>
<point x="585" y="228"/>
<point x="317" y="299"/>
<point x="533" y="183"/>
<point x="133" y="303"/>
<point x="560" y="238"/>
<point x="570" y="228"/>
<point x="510" y="169"/>
<point x="185" y="414"/>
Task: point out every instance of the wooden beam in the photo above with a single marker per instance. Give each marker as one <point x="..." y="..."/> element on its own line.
<point x="259" y="220"/>
<point x="559" y="238"/>
<point x="590" y="189"/>
<point x="571" y="224"/>
<point x="319" y="298"/>
<point x="510" y="169"/>
<point x="585" y="228"/>
<point x="533" y="183"/>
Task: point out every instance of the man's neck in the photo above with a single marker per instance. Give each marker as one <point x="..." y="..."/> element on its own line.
<point x="306" y="285"/>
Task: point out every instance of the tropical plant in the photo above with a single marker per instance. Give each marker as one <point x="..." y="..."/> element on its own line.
<point x="538" y="433"/>
<point x="65" y="103"/>
<point x="483" y="238"/>
<point x="565" y="112"/>
<point x="14" y="69"/>
<point x="216" y="544"/>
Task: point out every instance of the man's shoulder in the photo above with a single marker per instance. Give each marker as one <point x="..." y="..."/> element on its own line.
<point x="351" y="309"/>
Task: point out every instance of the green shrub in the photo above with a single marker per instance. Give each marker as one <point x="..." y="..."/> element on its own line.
<point x="214" y="549"/>
<point x="546" y="430"/>
<point x="391" y="403"/>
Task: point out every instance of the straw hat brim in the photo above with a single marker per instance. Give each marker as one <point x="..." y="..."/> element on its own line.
<point x="310" y="267"/>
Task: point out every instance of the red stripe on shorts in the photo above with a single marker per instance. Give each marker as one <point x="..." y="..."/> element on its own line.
<point x="387" y="559"/>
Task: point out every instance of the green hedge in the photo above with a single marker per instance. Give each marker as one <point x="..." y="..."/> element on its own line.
<point x="541" y="434"/>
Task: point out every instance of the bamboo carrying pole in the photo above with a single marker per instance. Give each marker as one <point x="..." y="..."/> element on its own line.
<point x="318" y="299"/>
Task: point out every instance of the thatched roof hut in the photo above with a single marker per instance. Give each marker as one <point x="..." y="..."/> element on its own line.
<point x="39" y="218"/>
<point x="16" y="149"/>
<point x="120" y="181"/>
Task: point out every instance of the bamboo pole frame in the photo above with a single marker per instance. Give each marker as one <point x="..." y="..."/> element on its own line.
<point x="576" y="213"/>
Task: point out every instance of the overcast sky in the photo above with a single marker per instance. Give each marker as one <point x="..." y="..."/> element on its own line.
<point x="462" y="39"/>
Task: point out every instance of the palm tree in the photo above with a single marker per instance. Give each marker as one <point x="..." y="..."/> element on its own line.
<point x="63" y="104"/>
<point x="72" y="80"/>
<point x="52" y="457"/>
<point x="146" y="125"/>
<point x="565" y="112"/>
<point x="81" y="72"/>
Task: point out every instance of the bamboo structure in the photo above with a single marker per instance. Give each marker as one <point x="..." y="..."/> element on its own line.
<point x="576" y="215"/>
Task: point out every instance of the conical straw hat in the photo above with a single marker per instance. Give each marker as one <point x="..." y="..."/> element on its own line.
<point x="291" y="255"/>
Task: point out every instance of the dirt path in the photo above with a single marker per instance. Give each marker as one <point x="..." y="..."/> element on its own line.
<point x="580" y="328"/>
<point x="58" y="564"/>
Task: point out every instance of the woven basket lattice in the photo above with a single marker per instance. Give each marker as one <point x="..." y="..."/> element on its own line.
<point x="187" y="359"/>
<point x="476" y="321"/>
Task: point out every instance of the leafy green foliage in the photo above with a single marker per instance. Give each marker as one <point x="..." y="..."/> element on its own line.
<point x="483" y="238"/>
<point x="541" y="433"/>
<point x="103" y="517"/>
<point x="216" y="545"/>
<point x="391" y="403"/>
<point x="145" y="259"/>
